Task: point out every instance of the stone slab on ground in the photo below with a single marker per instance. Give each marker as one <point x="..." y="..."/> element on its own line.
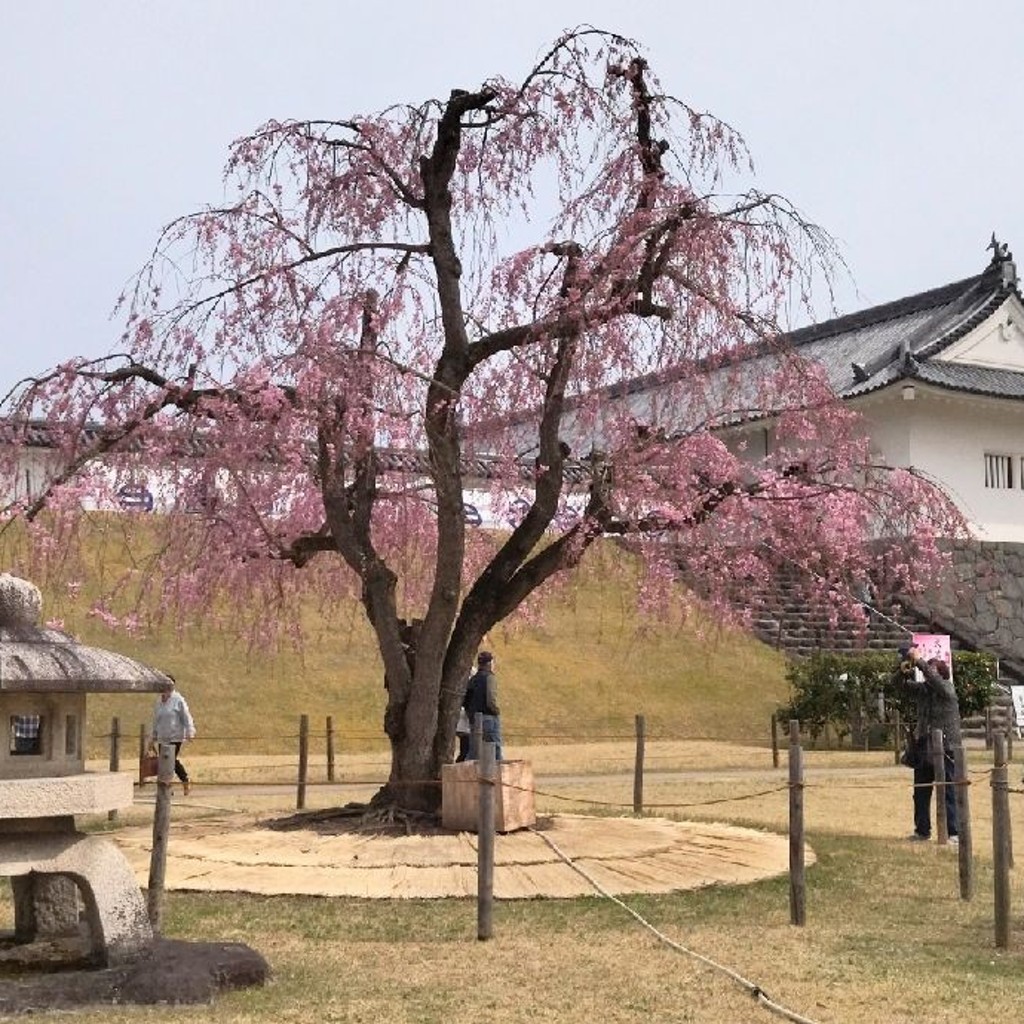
<point x="171" y="972"/>
<point x="623" y="855"/>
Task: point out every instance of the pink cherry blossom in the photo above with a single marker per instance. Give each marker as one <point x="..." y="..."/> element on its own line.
<point x="389" y="311"/>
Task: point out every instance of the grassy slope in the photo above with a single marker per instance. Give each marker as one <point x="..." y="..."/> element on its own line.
<point x="580" y="675"/>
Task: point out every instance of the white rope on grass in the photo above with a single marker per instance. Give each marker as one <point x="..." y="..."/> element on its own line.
<point x="758" y="993"/>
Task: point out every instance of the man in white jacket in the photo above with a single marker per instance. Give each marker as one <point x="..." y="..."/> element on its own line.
<point x="172" y="723"/>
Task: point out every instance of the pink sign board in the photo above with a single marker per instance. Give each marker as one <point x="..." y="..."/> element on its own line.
<point x="934" y="645"/>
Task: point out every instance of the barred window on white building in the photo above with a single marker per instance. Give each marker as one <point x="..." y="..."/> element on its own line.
<point x="999" y="471"/>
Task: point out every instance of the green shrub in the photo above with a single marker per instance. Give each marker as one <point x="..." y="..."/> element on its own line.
<point x="854" y="694"/>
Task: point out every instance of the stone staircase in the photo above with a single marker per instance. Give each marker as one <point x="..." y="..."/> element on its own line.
<point x="783" y="618"/>
<point x="998" y="716"/>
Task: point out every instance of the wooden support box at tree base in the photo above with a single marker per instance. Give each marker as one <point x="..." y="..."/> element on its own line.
<point x="513" y="799"/>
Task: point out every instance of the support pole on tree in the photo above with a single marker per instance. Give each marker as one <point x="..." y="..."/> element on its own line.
<point x="485" y="843"/>
<point x="775" y="741"/>
<point x="897" y="736"/>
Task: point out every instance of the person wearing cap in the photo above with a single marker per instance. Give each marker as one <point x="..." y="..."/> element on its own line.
<point x="172" y="723"/>
<point x="482" y="698"/>
<point x="937" y="708"/>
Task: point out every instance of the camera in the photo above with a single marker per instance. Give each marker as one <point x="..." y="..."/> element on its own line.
<point x="906" y="654"/>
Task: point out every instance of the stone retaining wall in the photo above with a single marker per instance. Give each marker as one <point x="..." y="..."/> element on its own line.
<point x="981" y="602"/>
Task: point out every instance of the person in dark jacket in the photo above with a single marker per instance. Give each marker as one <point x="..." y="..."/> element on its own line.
<point x="937" y="708"/>
<point x="482" y="698"/>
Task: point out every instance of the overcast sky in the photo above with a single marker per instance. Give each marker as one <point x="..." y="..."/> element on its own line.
<point x="895" y="124"/>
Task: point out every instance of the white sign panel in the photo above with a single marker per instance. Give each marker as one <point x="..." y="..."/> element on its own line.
<point x="1017" y="695"/>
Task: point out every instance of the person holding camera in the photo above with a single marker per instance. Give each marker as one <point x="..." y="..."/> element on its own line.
<point x="937" y="708"/>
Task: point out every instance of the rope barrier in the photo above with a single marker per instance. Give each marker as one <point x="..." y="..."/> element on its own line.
<point x="752" y="989"/>
<point x="578" y="799"/>
<point x="653" y="806"/>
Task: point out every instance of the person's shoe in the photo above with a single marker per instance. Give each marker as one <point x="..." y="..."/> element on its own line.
<point x="954" y="840"/>
<point x="916" y="837"/>
<point x="186" y="787"/>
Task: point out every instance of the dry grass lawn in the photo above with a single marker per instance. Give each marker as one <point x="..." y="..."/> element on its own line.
<point x="887" y="940"/>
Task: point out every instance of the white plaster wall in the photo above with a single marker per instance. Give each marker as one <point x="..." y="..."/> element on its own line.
<point x="941" y="433"/>
<point x="27" y="478"/>
<point x="997" y="342"/>
<point x="946" y="436"/>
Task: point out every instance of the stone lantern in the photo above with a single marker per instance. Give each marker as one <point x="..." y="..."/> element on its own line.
<point x="55" y="870"/>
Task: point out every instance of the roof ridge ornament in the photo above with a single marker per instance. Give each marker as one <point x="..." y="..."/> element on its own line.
<point x="1003" y="258"/>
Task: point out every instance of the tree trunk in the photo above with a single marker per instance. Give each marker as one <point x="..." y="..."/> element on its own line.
<point x="415" y="780"/>
<point x="420" y="724"/>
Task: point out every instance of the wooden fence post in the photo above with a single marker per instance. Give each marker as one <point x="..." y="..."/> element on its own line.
<point x="1000" y="842"/>
<point x="1007" y="759"/>
<point x="775" y="741"/>
<point x="638" y="768"/>
<point x="115" y="756"/>
<point x="485" y="844"/>
<point x="939" y="787"/>
<point x="330" y="748"/>
<point x="477" y="736"/>
<point x="300" y="796"/>
<point x="142" y="754"/>
<point x="161" y="833"/>
<point x="797" y="881"/>
<point x="963" y="821"/>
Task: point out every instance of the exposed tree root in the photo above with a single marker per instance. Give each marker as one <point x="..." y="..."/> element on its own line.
<point x="386" y="819"/>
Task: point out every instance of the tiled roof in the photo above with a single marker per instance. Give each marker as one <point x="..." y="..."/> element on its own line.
<point x="979" y="380"/>
<point x="860" y="353"/>
<point x="414" y="462"/>
<point x="875" y="347"/>
<point x="921" y="305"/>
